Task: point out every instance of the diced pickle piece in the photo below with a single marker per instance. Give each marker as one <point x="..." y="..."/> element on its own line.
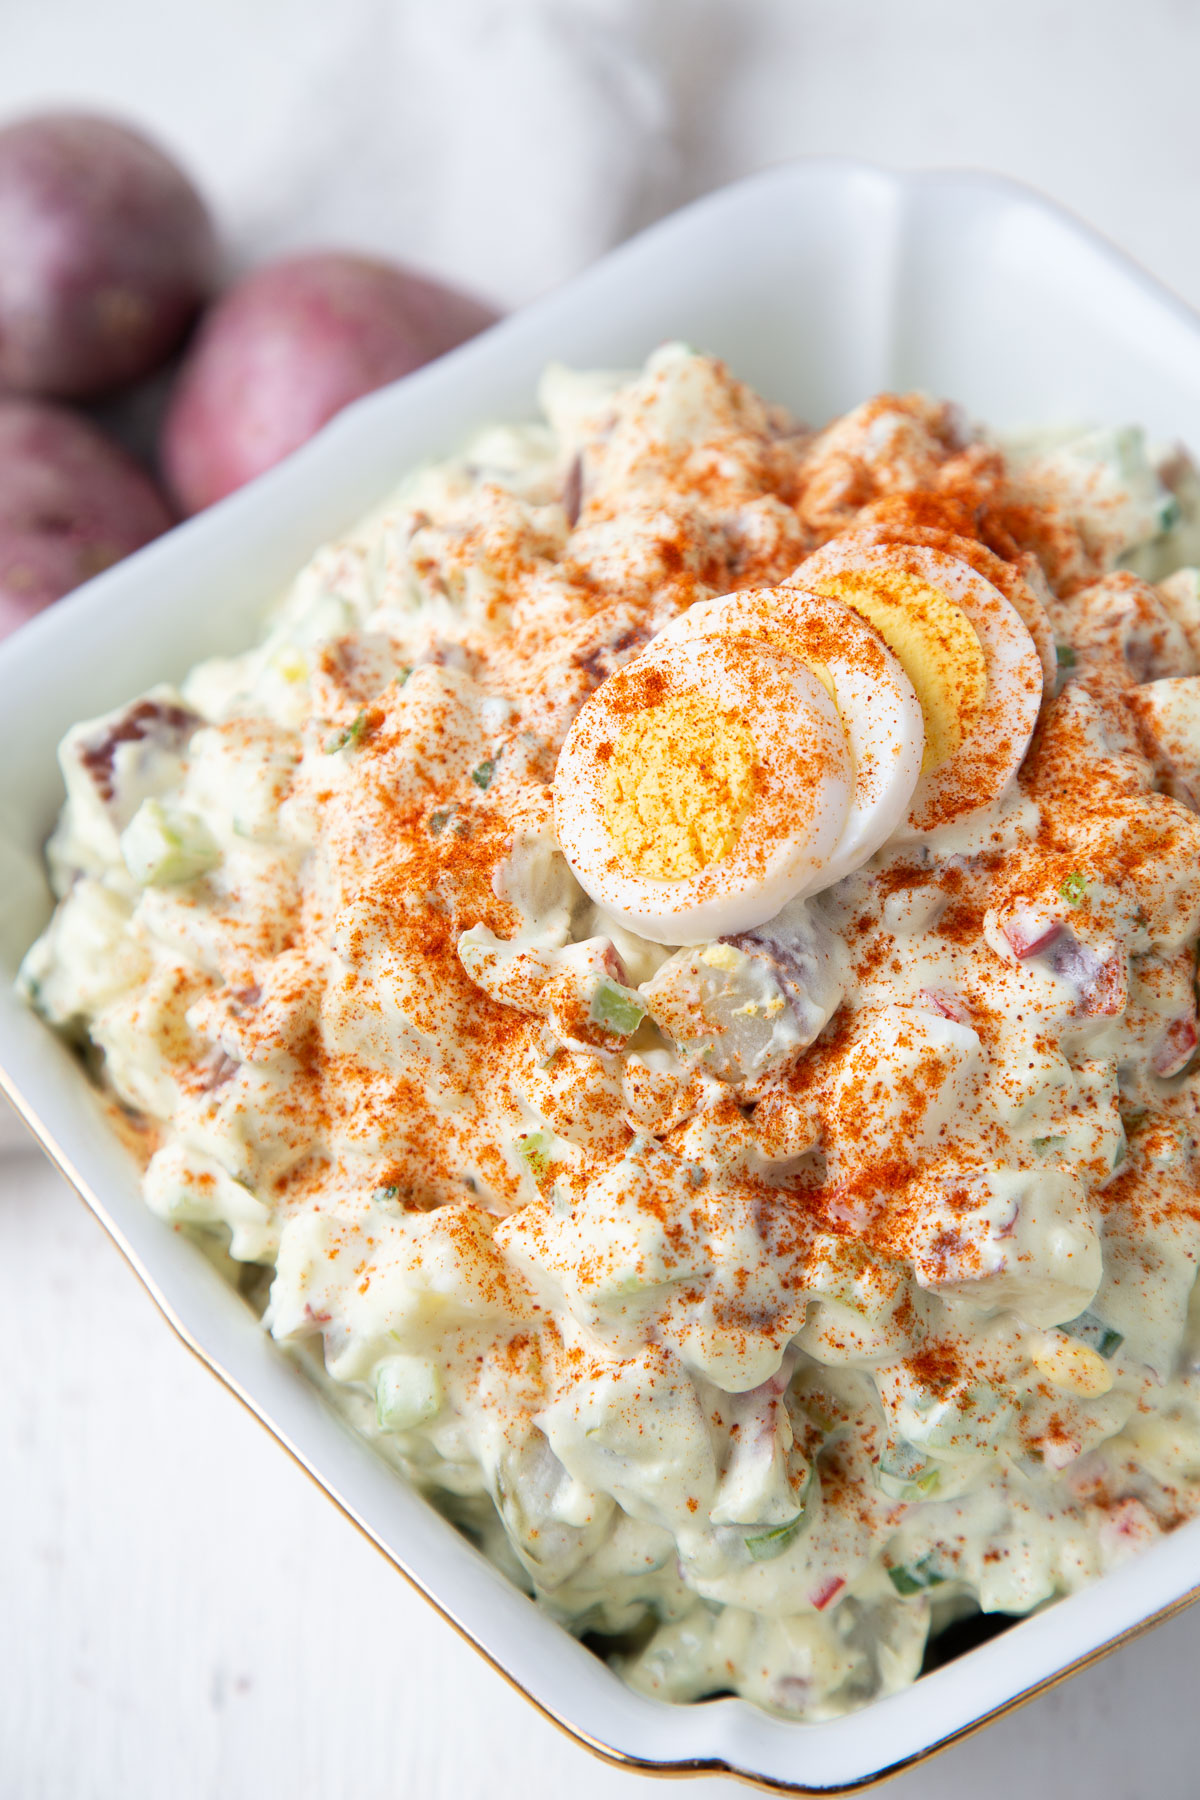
<point x="617" y="1009"/>
<point x="536" y="1152"/>
<point x="408" y="1390"/>
<point x="163" y="846"/>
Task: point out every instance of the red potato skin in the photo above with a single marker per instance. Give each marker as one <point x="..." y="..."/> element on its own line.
<point x="286" y="349"/>
<point x="107" y="252"/>
<point x="71" y="503"/>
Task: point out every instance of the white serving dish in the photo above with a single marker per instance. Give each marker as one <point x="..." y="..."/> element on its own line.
<point x="820" y="282"/>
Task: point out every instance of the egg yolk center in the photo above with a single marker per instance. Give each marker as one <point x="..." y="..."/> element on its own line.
<point x="678" y="786"/>
<point x="933" y="641"/>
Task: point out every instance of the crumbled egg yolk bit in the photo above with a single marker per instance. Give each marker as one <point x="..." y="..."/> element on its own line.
<point x="935" y="644"/>
<point x="678" y="786"/>
<point x="720" y="956"/>
<point x="703" y="786"/>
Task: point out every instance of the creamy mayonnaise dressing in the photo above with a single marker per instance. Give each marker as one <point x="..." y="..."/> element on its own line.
<point x="762" y="1302"/>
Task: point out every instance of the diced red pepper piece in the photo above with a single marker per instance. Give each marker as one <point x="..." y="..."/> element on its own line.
<point x="948" y="1006"/>
<point x="1030" y="934"/>
<point x="828" y="1591"/>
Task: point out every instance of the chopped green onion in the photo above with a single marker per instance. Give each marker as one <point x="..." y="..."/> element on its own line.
<point x="1064" y="655"/>
<point x="482" y="773"/>
<point x="1074" y="889"/>
<point x="615" y="1008"/>
<point x="342" y="740"/>
<point x="438" y="821"/>
<point x="904" y="1474"/>
<point x="1048" y="1143"/>
<point x="767" y="1544"/>
<point x="1093" y="1332"/>
<point x="914" y="1578"/>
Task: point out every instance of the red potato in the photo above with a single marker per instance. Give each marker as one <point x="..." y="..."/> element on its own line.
<point x="289" y="347"/>
<point x="107" y="252"/>
<point x="71" y="503"/>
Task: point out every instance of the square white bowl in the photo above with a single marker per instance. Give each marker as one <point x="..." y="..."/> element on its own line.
<point x="821" y="283"/>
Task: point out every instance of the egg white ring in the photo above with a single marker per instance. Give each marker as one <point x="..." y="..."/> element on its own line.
<point x="771" y="862"/>
<point x="1015" y="584"/>
<point x="980" y="770"/>
<point x="880" y="712"/>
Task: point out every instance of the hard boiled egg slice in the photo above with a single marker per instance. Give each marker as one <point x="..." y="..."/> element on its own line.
<point x="879" y="710"/>
<point x="897" y="519"/>
<point x="703" y="787"/>
<point x="975" y="667"/>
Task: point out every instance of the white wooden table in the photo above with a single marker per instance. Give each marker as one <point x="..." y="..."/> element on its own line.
<point x="181" y="1613"/>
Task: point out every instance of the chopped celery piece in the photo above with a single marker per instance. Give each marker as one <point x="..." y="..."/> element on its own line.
<point x="342" y="740"/>
<point x="1093" y="1332"/>
<point x="1064" y="655"/>
<point x="1074" y="889"/>
<point x="482" y="773"/>
<point x="1048" y="1143"/>
<point x="615" y="1008"/>
<point x="534" y="1152"/>
<point x="408" y="1390"/>
<point x="914" y="1578"/>
<point x="163" y="845"/>
<point x="767" y="1544"/>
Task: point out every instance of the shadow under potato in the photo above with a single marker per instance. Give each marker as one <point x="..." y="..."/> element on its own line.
<point x="944" y="1647"/>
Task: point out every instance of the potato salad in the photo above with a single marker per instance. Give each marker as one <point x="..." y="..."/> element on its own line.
<point x="669" y="977"/>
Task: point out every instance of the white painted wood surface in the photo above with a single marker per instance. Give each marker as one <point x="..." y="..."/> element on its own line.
<point x="181" y="1611"/>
